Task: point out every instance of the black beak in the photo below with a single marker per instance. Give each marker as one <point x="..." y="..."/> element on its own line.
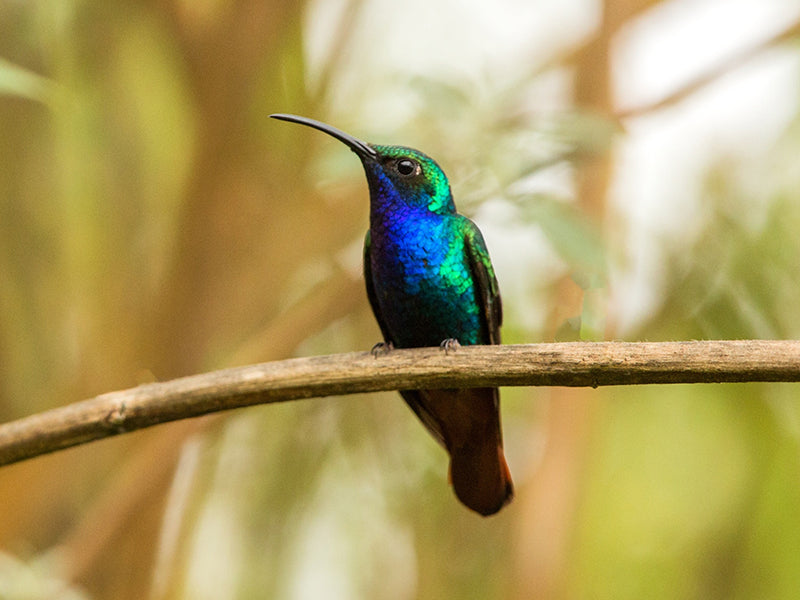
<point x="362" y="149"/>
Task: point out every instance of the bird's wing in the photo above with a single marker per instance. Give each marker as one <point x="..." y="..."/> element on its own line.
<point x="487" y="290"/>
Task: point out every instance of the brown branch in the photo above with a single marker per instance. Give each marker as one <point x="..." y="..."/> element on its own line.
<point x="573" y="364"/>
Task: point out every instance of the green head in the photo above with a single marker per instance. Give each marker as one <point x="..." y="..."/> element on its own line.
<point x="397" y="175"/>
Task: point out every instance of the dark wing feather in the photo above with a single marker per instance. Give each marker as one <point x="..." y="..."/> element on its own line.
<point x="415" y="400"/>
<point x="487" y="290"/>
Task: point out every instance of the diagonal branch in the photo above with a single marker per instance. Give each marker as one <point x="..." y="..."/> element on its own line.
<point x="790" y="32"/>
<point x="563" y="364"/>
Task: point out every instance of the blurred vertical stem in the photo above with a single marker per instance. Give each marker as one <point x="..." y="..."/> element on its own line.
<point x="545" y="550"/>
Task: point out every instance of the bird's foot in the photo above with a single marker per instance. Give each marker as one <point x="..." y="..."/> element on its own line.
<point x="381" y="348"/>
<point x="449" y="344"/>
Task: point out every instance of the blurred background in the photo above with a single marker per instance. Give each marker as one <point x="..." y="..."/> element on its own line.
<point x="633" y="166"/>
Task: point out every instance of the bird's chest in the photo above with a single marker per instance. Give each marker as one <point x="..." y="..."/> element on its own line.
<point x="410" y="258"/>
<point x="422" y="282"/>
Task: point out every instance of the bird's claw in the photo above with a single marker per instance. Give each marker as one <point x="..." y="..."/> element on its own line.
<point x="449" y="344"/>
<point x="381" y="348"/>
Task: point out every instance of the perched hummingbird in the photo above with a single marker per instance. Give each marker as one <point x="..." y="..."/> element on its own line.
<point x="430" y="282"/>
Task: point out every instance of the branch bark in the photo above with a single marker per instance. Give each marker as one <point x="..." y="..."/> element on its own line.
<point x="574" y="364"/>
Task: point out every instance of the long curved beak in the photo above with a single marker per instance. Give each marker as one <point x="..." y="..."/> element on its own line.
<point x="362" y="149"/>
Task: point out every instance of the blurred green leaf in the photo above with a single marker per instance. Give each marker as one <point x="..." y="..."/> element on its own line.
<point x="572" y="235"/>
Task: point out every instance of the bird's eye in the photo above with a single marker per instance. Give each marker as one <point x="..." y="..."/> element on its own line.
<point x="406" y="166"/>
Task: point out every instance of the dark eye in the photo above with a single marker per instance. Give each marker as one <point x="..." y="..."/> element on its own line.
<point x="406" y="166"/>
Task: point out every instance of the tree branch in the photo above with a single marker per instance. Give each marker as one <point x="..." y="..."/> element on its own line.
<point x="734" y="61"/>
<point x="572" y="364"/>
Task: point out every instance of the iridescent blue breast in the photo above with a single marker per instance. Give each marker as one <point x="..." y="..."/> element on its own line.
<point x="422" y="279"/>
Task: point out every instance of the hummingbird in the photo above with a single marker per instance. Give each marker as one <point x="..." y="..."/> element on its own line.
<point x="430" y="282"/>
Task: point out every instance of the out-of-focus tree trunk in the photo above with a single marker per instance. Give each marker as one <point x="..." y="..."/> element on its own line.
<point x="553" y="500"/>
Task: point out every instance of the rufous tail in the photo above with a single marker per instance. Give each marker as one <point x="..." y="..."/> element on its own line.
<point x="481" y="478"/>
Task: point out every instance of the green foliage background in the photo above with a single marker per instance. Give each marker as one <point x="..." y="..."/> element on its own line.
<point x="155" y="223"/>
